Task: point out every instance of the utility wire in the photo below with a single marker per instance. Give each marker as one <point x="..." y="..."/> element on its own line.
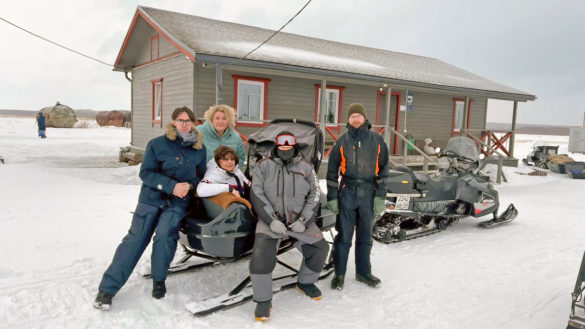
<point x="56" y="44"/>
<point x="276" y="32"/>
<point x="102" y="62"/>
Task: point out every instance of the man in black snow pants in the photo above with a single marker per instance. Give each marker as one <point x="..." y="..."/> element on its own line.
<point x="360" y="157"/>
<point x="285" y="195"/>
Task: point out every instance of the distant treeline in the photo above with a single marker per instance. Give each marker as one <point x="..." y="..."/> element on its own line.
<point x="80" y="114"/>
<point x="532" y="129"/>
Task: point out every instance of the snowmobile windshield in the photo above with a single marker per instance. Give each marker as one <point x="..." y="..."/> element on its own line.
<point x="463" y="147"/>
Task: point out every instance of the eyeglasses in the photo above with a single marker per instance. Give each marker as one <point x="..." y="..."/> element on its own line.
<point x="286" y="140"/>
<point x="228" y="159"/>
<point x="184" y="122"/>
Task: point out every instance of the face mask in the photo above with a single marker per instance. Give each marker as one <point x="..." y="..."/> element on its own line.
<point x="285" y="155"/>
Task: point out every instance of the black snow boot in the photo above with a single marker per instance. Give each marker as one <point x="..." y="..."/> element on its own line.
<point x="262" y="312"/>
<point x="368" y="279"/>
<point x="337" y="281"/>
<point x="310" y="290"/>
<point x="158" y="289"/>
<point x="103" y="301"/>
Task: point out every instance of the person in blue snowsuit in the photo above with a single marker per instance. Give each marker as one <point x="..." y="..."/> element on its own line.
<point x="41" y="122"/>
<point x="360" y="157"/>
<point x="172" y="166"/>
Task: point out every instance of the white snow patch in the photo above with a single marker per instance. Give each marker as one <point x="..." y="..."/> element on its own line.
<point x="65" y="205"/>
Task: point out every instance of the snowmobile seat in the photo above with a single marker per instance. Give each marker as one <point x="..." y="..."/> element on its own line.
<point x="229" y="235"/>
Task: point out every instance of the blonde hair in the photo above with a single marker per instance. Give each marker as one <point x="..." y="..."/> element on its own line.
<point x="230" y="114"/>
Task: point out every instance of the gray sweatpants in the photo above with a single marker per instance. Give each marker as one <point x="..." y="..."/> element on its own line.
<point x="264" y="260"/>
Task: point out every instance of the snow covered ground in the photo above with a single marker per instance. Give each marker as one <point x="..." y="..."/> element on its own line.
<point x="65" y="204"/>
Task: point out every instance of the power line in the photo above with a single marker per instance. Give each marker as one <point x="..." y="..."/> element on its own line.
<point x="276" y="32"/>
<point x="56" y="44"/>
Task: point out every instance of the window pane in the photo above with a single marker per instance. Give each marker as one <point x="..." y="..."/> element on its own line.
<point x="157" y="101"/>
<point x="243" y="109"/>
<point x="250" y="89"/>
<point x="249" y="101"/>
<point x="459" y="108"/>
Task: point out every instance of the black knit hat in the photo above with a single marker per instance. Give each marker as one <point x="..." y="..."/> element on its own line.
<point x="356" y="108"/>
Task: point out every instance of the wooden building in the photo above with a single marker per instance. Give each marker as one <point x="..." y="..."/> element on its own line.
<point x="176" y="60"/>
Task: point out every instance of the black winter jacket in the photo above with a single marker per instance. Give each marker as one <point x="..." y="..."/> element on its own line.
<point x="360" y="157"/>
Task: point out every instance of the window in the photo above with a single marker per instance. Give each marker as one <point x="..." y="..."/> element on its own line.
<point x="251" y="95"/>
<point x="154" y="48"/>
<point x="459" y="117"/>
<point x="333" y="100"/>
<point x="459" y="108"/>
<point x="157" y="101"/>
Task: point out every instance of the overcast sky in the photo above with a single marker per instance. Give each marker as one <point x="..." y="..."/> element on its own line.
<point x="537" y="46"/>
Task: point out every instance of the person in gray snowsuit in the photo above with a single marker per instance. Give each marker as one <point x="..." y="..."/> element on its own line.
<point x="285" y="195"/>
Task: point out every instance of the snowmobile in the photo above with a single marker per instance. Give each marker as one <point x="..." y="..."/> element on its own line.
<point x="230" y="236"/>
<point x="418" y="204"/>
<point x="539" y="154"/>
<point x="577" y="316"/>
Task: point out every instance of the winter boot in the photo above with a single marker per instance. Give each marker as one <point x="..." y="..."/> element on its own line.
<point x="103" y="301"/>
<point x="337" y="281"/>
<point x="262" y="312"/>
<point x="310" y="290"/>
<point x="158" y="289"/>
<point x="368" y="279"/>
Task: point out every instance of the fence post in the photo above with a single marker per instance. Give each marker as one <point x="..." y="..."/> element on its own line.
<point x="500" y="172"/>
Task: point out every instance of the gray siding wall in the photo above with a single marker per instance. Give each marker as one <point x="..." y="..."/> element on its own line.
<point x="432" y="114"/>
<point x="165" y="48"/>
<point x="177" y="91"/>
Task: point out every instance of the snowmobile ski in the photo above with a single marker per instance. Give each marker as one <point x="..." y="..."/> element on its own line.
<point x="229" y="300"/>
<point x="507" y="216"/>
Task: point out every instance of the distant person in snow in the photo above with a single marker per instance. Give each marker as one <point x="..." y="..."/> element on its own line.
<point x="172" y="167"/>
<point x="218" y="129"/>
<point x="223" y="183"/>
<point x="285" y="195"/>
<point x="41" y="122"/>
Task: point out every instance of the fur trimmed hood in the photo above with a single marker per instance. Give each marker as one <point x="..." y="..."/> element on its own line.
<point x="172" y="135"/>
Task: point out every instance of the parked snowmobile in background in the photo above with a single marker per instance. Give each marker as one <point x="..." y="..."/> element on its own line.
<point x="419" y="204"/>
<point x="230" y="236"/>
<point x="539" y="154"/>
<point x="577" y="316"/>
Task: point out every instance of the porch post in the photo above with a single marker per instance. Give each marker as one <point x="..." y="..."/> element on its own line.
<point x="323" y="106"/>
<point x="218" y="85"/>
<point x="387" y="133"/>
<point x="513" y="138"/>
<point x="405" y="147"/>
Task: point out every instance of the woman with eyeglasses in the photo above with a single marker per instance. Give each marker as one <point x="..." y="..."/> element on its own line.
<point x="171" y="169"/>
<point x="218" y="129"/>
<point x="285" y="195"/>
<point x="223" y="183"/>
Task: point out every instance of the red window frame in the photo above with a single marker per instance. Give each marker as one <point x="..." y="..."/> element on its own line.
<point x="154" y="120"/>
<point x="265" y="81"/>
<point x="339" y="106"/>
<point x="154" y="46"/>
<point x="455" y="100"/>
